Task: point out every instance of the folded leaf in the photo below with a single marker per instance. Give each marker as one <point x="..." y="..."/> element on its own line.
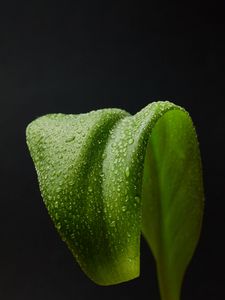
<point x="107" y="176"/>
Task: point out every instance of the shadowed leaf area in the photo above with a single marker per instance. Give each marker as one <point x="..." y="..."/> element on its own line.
<point x="106" y="177"/>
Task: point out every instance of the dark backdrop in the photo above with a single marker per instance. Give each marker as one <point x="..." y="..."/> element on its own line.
<point x="76" y="56"/>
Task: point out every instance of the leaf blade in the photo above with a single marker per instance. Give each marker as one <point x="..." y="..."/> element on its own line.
<point x="181" y="200"/>
<point x="112" y="168"/>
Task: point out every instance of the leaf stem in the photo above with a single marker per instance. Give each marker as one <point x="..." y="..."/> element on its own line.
<point x="167" y="286"/>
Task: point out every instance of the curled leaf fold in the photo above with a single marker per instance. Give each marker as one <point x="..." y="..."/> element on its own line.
<point x="107" y="176"/>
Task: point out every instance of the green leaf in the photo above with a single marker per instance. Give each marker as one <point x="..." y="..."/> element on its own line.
<point x="107" y="176"/>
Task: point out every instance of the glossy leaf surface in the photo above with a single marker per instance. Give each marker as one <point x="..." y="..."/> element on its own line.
<point x="107" y="176"/>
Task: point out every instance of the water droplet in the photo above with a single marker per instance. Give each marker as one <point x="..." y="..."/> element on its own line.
<point x="137" y="199"/>
<point x="112" y="224"/>
<point x="130" y="141"/>
<point x="127" y="172"/>
<point x="123" y="208"/>
<point x="70" y="139"/>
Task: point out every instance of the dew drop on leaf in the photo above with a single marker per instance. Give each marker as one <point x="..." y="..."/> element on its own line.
<point x="127" y="172"/>
<point x="130" y="141"/>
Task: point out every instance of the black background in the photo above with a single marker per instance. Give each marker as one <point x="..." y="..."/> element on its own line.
<point x="76" y="56"/>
